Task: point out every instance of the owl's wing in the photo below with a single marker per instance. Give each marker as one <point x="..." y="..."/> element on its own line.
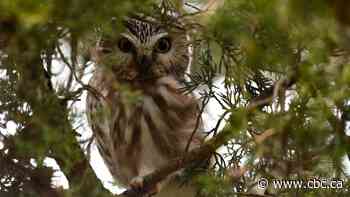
<point x="101" y="118"/>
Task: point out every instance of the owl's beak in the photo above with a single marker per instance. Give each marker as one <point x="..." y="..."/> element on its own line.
<point x="144" y="62"/>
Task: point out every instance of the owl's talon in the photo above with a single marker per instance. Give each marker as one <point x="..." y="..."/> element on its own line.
<point x="136" y="183"/>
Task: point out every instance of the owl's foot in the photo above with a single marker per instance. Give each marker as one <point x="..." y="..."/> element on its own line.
<point x="137" y="184"/>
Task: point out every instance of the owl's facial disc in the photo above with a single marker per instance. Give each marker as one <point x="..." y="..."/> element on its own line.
<point x="147" y="55"/>
<point x="145" y="51"/>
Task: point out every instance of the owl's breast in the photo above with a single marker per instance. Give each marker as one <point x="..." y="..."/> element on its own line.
<point x="141" y="139"/>
<point x="137" y="138"/>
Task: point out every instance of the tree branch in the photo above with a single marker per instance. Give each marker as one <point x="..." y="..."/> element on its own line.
<point x="203" y="152"/>
<point x="40" y="98"/>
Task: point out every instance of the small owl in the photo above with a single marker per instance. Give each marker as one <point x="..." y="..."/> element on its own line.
<point x="140" y="117"/>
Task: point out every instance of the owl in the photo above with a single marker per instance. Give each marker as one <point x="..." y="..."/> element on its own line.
<point x="139" y="115"/>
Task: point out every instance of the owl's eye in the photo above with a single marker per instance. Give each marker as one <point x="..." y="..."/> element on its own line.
<point x="163" y="45"/>
<point x="125" y="45"/>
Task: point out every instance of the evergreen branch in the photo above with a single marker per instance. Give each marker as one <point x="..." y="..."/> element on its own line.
<point x="71" y="160"/>
<point x="202" y="153"/>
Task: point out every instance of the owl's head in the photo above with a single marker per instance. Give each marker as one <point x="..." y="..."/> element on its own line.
<point x="146" y="50"/>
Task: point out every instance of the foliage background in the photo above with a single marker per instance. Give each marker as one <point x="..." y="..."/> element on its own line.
<point x="292" y="55"/>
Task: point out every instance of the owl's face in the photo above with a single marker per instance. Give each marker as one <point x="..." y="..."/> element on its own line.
<point x="145" y="51"/>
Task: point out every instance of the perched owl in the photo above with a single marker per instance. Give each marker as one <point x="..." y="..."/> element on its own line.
<point x="140" y="117"/>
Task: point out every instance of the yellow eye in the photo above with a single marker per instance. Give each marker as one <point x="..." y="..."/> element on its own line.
<point x="125" y="45"/>
<point x="163" y="45"/>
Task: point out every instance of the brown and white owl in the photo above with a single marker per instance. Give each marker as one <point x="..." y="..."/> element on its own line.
<point x="140" y="117"/>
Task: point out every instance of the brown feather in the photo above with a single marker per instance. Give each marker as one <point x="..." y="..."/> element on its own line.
<point x="136" y="138"/>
